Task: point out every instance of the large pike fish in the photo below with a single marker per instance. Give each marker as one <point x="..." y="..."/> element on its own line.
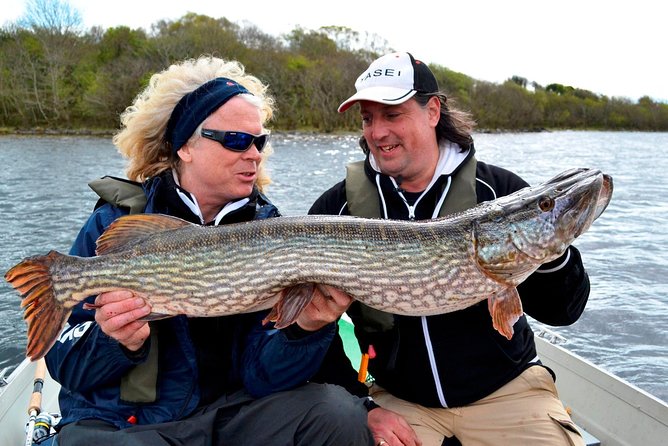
<point x="403" y="267"/>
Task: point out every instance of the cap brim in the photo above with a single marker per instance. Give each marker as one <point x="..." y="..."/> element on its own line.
<point x="384" y="95"/>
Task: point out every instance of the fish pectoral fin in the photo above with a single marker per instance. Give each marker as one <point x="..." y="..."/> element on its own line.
<point x="505" y="308"/>
<point x="292" y="302"/>
<point x="129" y="229"/>
<point x="155" y="317"/>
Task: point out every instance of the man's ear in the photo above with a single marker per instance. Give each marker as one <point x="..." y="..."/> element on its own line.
<point x="434" y="107"/>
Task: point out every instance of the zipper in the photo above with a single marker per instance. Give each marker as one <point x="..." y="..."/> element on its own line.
<point x="425" y="324"/>
<point x="411" y="209"/>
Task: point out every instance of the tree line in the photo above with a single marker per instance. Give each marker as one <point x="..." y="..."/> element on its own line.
<point x="56" y="75"/>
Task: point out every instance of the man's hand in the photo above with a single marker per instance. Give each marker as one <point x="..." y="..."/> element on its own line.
<point x="118" y="313"/>
<point x="391" y="429"/>
<point x="327" y="306"/>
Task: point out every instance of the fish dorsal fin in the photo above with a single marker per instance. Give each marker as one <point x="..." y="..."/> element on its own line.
<point x="130" y="229"/>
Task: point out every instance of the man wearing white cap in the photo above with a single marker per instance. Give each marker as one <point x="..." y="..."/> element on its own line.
<point x="452" y="377"/>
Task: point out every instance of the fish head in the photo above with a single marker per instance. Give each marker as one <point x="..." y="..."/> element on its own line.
<point x="535" y="225"/>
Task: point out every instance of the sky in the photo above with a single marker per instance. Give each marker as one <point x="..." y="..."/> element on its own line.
<point x="613" y="48"/>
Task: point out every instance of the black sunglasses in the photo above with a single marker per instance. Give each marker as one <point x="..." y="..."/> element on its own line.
<point x="236" y="141"/>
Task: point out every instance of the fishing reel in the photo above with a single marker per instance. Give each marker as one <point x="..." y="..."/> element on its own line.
<point x="44" y="424"/>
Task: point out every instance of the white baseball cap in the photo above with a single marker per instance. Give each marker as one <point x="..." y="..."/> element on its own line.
<point x="392" y="79"/>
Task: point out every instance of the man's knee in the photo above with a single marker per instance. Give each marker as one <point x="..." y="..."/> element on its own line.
<point x="337" y="414"/>
<point x="336" y="403"/>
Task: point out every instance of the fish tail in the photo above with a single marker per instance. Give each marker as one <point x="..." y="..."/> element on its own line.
<point x="506" y="309"/>
<point x="292" y="302"/>
<point x="45" y="315"/>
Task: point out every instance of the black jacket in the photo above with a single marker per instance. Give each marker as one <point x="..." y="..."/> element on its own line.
<point x="471" y="359"/>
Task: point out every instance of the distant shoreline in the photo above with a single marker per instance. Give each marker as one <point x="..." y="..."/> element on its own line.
<point x="39" y="131"/>
<point x="108" y="133"/>
<point x="56" y="132"/>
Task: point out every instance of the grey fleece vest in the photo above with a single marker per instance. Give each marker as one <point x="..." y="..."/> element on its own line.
<point x="363" y="201"/>
<point x="139" y="384"/>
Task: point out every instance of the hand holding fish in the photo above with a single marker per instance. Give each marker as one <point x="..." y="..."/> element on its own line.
<point x="120" y="316"/>
<point x="327" y="306"/>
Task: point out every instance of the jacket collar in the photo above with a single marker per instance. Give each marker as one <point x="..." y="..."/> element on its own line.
<point x="450" y="161"/>
<point x="165" y="196"/>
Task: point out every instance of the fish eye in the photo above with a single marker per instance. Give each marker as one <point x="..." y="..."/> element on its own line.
<point x="546" y="204"/>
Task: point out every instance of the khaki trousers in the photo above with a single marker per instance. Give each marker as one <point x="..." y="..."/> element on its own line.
<point x="526" y="411"/>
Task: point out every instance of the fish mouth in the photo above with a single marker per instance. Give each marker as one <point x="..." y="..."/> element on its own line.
<point x="591" y="195"/>
<point x="566" y="206"/>
<point x="582" y="183"/>
<point x="604" y="196"/>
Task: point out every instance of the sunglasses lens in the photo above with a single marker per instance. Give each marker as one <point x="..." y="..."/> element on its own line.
<point x="237" y="141"/>
<point x="260" y="142"/>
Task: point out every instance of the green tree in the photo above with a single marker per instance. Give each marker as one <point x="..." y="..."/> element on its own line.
<point x="519" y="80"/>
<point x="48" y="41"/>
<point x="193" y="35"/>
<point x="123" y="62"/>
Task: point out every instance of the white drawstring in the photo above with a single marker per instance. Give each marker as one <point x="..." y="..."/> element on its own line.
<point x="191" y="201"/>
<point x="437" y="209"/>
<point x="382" y="197"/>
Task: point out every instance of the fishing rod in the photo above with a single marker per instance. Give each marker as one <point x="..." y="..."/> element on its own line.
<point x="35" y="405"/>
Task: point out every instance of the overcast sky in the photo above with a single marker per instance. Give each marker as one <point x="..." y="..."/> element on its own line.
<point x="615" y="48"/>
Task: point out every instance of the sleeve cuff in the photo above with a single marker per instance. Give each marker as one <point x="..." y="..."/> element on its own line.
<point x="370" y="404"/>
<point x="294" y="332"/>
<point x="556" y="264"/>
<point x="139" y="355"/>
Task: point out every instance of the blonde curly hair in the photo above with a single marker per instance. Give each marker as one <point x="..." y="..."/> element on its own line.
<point x="141" y="138"/>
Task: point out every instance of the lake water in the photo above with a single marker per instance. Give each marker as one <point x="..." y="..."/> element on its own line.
<point x="44" y="200"/>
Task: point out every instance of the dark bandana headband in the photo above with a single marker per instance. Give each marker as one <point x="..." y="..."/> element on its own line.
<point x="196" y="106"/>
